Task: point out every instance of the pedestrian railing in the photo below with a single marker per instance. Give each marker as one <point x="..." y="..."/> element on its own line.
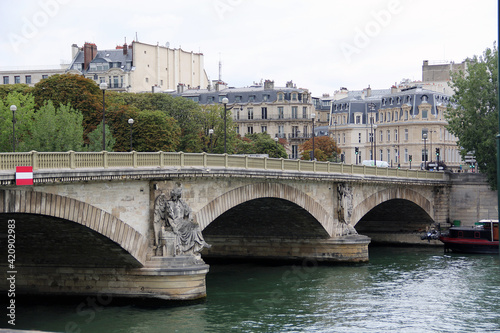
<point x="79" y="160"/>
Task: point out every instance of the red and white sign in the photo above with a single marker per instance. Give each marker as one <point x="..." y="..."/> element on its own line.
<point x="24" y="175"/>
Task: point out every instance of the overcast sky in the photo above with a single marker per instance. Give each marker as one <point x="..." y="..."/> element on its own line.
<point x="321" y="45"/>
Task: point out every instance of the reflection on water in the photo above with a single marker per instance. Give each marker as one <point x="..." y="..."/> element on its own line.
<point x="401" y="289"/>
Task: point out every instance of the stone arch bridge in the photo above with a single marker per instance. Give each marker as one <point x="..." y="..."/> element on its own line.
<point x="88" y="229"/>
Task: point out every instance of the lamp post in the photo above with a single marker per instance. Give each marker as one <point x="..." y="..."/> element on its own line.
<point x="425" y="150"/>
<point x="375" y="143"/>
<point x="372" y="128"/>
<point x="210" y="131"/>
<point x="313" y="115"/>
<point x="225" y="101"/>
<point x="336" y="141"/>
<point x="13" y="108"/>
<point x="103" y="87"/>
<point x="131" y="122"/>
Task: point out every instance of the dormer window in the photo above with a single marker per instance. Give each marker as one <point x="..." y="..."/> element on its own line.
<point x="424" y="98"/>
<point x="280" y="96"/>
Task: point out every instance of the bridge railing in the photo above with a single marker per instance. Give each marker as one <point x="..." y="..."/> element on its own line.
<point x="79" y="160"/>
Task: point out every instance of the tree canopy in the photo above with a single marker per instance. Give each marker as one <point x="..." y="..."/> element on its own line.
<point x="325" y="149"/>
<point x="81" y="93"/>
<point x="473" y="118"/>
<point x="260" y="143"/>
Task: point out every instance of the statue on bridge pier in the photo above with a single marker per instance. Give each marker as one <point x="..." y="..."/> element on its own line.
<point x="176" y="232"/>
<point x="344" y="210"/>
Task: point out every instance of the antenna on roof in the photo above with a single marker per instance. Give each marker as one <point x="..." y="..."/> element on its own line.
<point x="220" y="69"/>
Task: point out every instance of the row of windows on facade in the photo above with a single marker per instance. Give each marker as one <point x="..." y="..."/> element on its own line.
<point x="113" y="81"/>
<point x="450" y="155"/>
<point x="295" y="134"/>
<point x="381" y="117"/>
<point x="264" y="114"/>
<point x="448" y="136"/>
<point x="17" y="79"/>
<point x="251" y="98"/>
<point x="398" y="100"/>
<point x="102" y="66"/>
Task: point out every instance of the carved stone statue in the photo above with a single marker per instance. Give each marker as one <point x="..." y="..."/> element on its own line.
<point x="174" y="217"/>
<point x="344" y="209"/>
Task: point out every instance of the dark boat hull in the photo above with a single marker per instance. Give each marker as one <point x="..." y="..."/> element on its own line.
<point x="461" y="245"/>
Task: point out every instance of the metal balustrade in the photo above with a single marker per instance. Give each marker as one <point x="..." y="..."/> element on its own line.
<point x="94" y="160"/>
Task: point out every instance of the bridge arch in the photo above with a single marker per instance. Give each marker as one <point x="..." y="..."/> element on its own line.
<point x="239" y="195"/>
<point x="389" y="194"/>
<point x="53" y="205"/>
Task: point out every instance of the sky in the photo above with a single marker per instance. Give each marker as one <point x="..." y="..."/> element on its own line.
<point x="320" y="45"/>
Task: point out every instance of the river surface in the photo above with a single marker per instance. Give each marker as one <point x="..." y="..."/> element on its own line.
<point x="399" y="290"/>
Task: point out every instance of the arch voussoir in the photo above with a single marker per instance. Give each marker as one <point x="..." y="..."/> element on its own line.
<point x="249" y="192"/>
<point x="49" y="204"/>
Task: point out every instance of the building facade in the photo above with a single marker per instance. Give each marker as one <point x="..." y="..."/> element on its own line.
<point x="139" y="67"/>
<point x="401" y="127"/>
<point x="29" y="76"/>
<point x="282" y="112"/>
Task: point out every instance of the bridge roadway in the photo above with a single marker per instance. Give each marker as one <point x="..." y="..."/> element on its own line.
<point x="86" y="225"/>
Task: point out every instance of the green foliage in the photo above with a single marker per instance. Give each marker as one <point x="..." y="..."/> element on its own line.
<point x="117" y="117"/>
<point x="212" y="117"/>
<point x="83" y="94"/>
<point x="260" y="143"/>
<point x="187" y="114"/>
<point x="21" y="88"/>
<point x="154" y="131"/>
<point x="24" y="121"/>
<point x="474" y="118"/>
<point x="95" y="139"/>
<point x="325" y="149"/>
<point x="56" y="130"/>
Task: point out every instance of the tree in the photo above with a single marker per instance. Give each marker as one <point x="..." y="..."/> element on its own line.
<point x="56" y="130"/>
<point x="260" y="143"/>
<point x="95" y="138"/>
<point x="83" y="94"/>
<point x="473" y="118"/>
<point x="188" y="115"/>
<point x="325" y="148"/>
<point x="24" y="121"/>
<point x="155" y="131"/>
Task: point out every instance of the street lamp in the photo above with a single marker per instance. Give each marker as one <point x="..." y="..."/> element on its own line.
<point x="375" y="143"/>
<point x="225" y="101"/>
<point x="210" y="131"/>
<point x="336" y="141"/>
<point x="425" y="150"/>
<point x="13" y="108"/>
<point x="374" y="153"/>
<point x="131" y="122"/>
<point x="313" y="115"/>
<point x="276" y="140"/>
<point x="103" y="87"/>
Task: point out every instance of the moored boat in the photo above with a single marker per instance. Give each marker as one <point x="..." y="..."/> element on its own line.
<point x="480" y="238"/>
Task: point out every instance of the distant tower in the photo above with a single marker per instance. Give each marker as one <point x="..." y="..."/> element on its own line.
<point x="220" y="69"/>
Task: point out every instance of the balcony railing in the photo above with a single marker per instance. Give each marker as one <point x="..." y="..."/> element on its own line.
<point x="105" y="160"/>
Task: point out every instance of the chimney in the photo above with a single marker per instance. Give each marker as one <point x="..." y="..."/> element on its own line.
<point x="289" y="84"/>
<point x="125" y="49"/>
<point x="180" y="88"/>
<point x="368" y="91"/>
<point x="89" y="54"/>
<point x="74" y="50"/>
<point x="394" y="89"/>
<point x="268" y="85"/>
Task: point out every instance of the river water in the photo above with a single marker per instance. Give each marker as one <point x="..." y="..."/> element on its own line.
<point x="399" y="290"/>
